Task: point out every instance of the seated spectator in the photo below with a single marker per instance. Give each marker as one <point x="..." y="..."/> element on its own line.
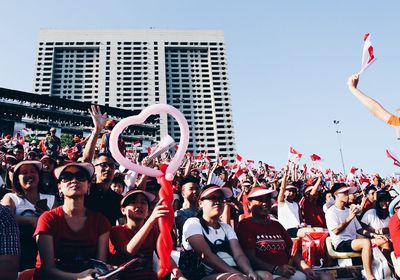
<point x="9" y="245"/>
<point x="27" y="204"/>
<point x="138" y="237"/>
<point x="289" y="214"/>
<point x="369" y="198"/>
<point x="190" y="192"/>
<point x="343" y="227"/>
<point x="70" y="235"/>
<point x="376" y="222"/>
<point x="49" y="184"/>
<point x="313" y="213"/>
<point x="242" y="197"/>
<point x="18" y="152"/>
<point x="216" y="242"/>
<point x="268" y="245"/>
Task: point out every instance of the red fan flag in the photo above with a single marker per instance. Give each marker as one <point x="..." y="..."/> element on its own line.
<point x="368" y="53"/>
<point x="224" y="162"/>
<point x="315" y="157"/>
<point x="238" y="158"/>
<point x="250" y="161"/>
<point x="395" y="161"/>
<point x="176" y="147"/>
<point x="353" y="170"/>
<point x="137" y="143"/>
<point x="199" y="158"/>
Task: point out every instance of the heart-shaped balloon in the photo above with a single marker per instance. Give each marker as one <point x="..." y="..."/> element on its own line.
<point x="141" y="118"/>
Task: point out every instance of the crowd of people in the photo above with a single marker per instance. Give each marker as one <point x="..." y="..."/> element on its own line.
<point x="61" y="215"/>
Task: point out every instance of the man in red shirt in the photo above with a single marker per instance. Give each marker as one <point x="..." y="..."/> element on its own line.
<point x="268" y="245"/>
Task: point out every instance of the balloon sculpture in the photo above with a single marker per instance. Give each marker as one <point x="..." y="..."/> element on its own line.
<point x="164" y="176"/>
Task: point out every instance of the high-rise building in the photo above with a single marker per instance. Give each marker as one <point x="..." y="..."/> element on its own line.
<point x="134" y="68"/>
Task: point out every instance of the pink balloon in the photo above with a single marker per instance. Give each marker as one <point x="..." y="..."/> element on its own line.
<point x="139" y="119"/>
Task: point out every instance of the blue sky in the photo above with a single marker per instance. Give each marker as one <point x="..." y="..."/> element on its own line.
<point x="288" y="64"/>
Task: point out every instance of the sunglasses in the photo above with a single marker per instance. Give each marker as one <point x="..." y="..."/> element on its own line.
<point x="80" y="176"/>
<point x="215" y="198"/>
<point x="104" y="165"/>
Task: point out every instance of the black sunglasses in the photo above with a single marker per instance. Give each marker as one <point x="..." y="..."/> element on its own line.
<point x="106" y="164"/>
<point x="81" y="176"/>
<point x="215" y="198"/>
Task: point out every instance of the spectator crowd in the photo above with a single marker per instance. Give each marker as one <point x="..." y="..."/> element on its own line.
<point x="66" y="212"/>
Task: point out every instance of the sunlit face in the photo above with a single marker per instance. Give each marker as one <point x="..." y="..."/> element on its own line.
<point x="213" y="205"/>
<point x="48" y="165"/>
<point x="137" y="209"/>
<point x="104" y="168"/>
<point x="117" y="187"/>
<point x="260" y="206"/>
<point x="371" y="195"/>
<point x="290" y="194"/>
<point x="190" y="192"/>
<point x="73" y="182"/>
<point x="343" y="197"/>
<point x="28" y="177"/>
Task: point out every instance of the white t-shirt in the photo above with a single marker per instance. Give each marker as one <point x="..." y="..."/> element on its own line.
<point x="288" y="215"/>
<point x="22" y="204"/>
<point x="335" y="216"/>
<point x="371" y="219"/>
<point x="192" y="227"/>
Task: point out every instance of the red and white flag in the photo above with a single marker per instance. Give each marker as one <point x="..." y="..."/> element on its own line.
<point x="315" y="157"/>
<point x="293" y="155"/>
<point x="391" y="156"/>
<point x="350" y="175"/>
<point x="238" y="158"/>
<point x="137" y="143"/>
<point x="368" y="53"/>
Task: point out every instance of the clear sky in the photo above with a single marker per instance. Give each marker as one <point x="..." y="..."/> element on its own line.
<point x="288" y="64"/>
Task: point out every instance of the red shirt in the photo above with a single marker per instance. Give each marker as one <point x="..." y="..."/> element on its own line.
<point x="271" y="241"/>
<point x="119" y="238"/>
<point x="313" y="214"/>
<point x="245" y="204"/>
<point x="72" y="249"/>
<point x="394" y="230"/>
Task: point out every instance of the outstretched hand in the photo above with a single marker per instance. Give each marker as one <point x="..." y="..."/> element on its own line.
<point x="99" y="119"/>
<point x="352" y="82"/>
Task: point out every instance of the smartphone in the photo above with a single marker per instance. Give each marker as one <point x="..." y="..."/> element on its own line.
<point x="100" y="266"/>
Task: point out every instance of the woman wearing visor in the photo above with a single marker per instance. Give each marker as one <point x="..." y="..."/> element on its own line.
<point x="222" y="257"/>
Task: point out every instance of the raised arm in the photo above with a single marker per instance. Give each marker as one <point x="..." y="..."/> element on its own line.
<point x="281" y="195"/>
<point x="372" y="105"/>
<point x="99" y="121"/>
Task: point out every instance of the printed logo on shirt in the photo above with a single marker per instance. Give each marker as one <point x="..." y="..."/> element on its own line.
<point x="270" y="243"/>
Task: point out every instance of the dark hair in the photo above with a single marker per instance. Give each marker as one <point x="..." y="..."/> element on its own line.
<point x="188" y="179"/>
<point x="368" y="188"/>
<point x="108" y="155"/>
<point x="16" y="186"/>
<point x="219" y="170"/>
<point x="118" y="178"/>
<point x="382" y="196"/>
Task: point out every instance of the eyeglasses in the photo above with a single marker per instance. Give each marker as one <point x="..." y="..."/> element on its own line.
<point x="81" y="176"/>
<point x="215" y="199"/>
<point x="104" y="165"/>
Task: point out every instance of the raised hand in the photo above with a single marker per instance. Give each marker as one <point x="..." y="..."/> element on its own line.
<point x="99" y="119"/>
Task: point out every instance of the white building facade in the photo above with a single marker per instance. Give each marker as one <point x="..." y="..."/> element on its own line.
<point x="134" y="68"/>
